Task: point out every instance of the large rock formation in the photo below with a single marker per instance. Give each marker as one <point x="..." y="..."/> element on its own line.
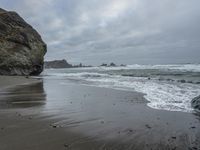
<point x="196" y="103"/>
<point x="57" y="64"/>
<point x="21" y="47"/>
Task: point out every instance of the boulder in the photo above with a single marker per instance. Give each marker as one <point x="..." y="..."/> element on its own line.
<point x="104" y="65"/>
<point x="22" y="49"/>
<point x="196" y="103"/>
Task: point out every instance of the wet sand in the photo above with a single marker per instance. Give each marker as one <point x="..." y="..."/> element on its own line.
<point x="11" y="81"/>
<point x="57" y="114"/>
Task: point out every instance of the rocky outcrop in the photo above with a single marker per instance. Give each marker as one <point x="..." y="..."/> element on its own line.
<point x="196" y="103"/>
<point x="57" y="64"/>
<point x="110" y="65"/>
<point x="21" y="47"/>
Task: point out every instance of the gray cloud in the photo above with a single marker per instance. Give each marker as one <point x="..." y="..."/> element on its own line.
<point x="124" y="31"/>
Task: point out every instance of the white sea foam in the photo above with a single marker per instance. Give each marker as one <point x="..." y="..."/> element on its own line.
<point x="80" y="75"/>
<point x="185" y="67"/>
<point x="161" y="95"/>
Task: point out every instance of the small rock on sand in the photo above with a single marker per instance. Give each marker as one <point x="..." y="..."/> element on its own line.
<point x="193" y="127"/>
<point x="53" y="125"/>
<point x="66" y="145"/>
<point x="173" y="137"/>
<point x="149" y="127"/>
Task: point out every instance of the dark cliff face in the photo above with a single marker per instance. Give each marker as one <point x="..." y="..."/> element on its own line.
<point x="57" y="64"/>
<point x="21" y="47"/>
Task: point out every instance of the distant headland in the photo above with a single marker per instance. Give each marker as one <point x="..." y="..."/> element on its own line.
<point x="61" y="64"/>
<point x="56" y="64"/>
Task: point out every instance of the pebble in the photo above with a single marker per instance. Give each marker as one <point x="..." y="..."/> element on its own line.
<point x="173" y="137"/>
<point x="66" y="145"/>
<point x="193" y="127"/>
<point x="147" y="126"/>
<point x="130" y="130"/>
<point x="102" y="122"/>
<point x="54" y="126"/>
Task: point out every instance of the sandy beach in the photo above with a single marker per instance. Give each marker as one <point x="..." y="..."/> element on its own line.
<point x="51" y="115"/>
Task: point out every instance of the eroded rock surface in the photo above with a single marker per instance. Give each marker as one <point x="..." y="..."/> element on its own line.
<point x="22" y="49"/>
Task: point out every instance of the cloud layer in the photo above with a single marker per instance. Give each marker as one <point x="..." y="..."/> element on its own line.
<point x="123" y="31"/>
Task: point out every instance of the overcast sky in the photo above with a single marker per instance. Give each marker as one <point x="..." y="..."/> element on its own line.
<point x="122" y="31"/>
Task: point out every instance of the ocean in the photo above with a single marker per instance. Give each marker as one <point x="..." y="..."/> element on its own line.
<point x="166" y="87"/>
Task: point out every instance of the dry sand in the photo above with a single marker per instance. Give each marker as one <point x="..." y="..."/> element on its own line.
<point x="51" y="115"/>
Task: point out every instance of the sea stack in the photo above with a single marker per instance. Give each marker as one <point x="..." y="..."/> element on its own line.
<point x="22" y="49"/>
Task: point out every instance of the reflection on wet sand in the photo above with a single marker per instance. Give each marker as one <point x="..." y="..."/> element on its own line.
<point x="81" y="117"/>
<point x="120" y="120"/>
<point x="23" y="96"/>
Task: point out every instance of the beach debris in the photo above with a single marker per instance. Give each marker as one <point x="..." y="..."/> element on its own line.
<point x="66" y="145"/>
<point x="30" y="118"/>
<point x="174" y="148"/>
<point x="148" y="126"/>
<point x="130" y="130"/>
<point x="192" y="148"/>
<point x="173" y="137"/>
<point x="102" y="122"/>
<point x="54" y="126"/>
<point x="193" y="127"/>
<point x="18" y="114"/>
